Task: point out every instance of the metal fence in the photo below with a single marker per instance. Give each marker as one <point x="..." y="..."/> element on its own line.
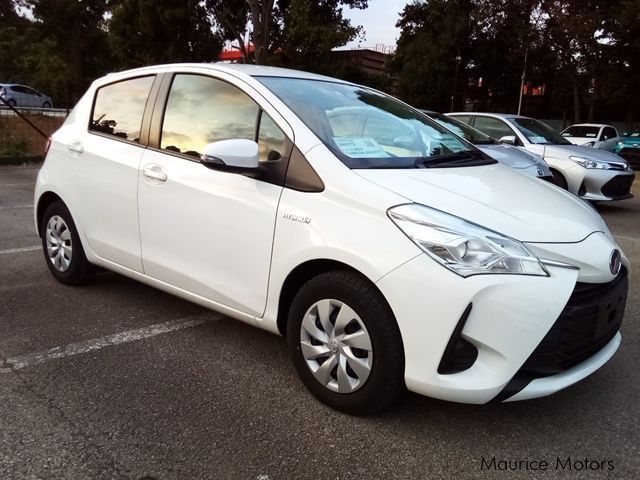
<point x="47" y="112"/>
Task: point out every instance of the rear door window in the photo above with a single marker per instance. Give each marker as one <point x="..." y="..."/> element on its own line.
<point x="493" y="127"/>
<point x="119" y="107"/>
<point x="463" y="118"/>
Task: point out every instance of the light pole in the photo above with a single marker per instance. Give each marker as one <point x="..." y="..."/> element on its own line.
<point x="524" y="73"/>
<point x="455" y="81"/>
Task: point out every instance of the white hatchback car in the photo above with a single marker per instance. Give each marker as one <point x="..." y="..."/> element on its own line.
<point x="593" y="135"/>
<point x="402" y="256"/>
<point x="592" y="174"/>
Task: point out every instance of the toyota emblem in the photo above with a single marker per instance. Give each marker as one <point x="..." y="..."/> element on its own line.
<point x="615" y="262"/>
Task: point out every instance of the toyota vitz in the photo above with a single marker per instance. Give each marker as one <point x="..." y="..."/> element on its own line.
<point x="390" y="252"/>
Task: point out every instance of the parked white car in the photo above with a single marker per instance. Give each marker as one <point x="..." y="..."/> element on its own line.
<point x="514" y="157"/>
<point x="402" y="256"/>
<point x="590" y="173"/>
<point x="593" y="135"/>
<point x="23" y="96"/>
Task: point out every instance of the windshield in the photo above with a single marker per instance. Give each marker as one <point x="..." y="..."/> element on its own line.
<point x="463" y="130"/>
<point x="538" y="132"/>
<point x="368" y="129"/>
<point x="581" y="131"/>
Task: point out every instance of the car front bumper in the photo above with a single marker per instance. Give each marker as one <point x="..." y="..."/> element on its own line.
<point x="508" y="317"/>
<point x="599" y="185"/>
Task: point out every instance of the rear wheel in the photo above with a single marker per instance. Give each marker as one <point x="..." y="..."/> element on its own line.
<point x="63" y="251"/>
<point x="46" y="105"/>
<point x="12" y="102"/>
<point x="345" y="343"/>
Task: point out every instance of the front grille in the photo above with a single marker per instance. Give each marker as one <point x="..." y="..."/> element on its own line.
<point x="591" y="318"/>
<point x="618" y="187"/>
<point x="588" y="322"/>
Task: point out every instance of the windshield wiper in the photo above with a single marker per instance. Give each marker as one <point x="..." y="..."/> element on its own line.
<point x="465" y="158"/>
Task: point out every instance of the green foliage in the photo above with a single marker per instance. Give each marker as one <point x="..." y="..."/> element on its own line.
<point x="586" y="52"/>
<point x="433" y="34"/>
<point x="14" y="147"/>
<point x="147" y="32"/>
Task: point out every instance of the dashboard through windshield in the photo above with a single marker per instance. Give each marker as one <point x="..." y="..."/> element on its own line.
<point x="538" y="132"/>
<point x="367" y="129"/>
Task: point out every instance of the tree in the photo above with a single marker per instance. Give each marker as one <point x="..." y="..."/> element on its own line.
<point x="232" y="17"/>
<point x="433" y="34"/>
<point x="147" y="32"/>
<point x="299" y="27"/>
<point x="312" y="29"/>
<point x="74" y="32"/>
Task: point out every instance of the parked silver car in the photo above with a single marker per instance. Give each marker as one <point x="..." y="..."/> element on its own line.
<point x="23" y="96"/>
<point x="591" y="173"/>
<point x="518" y="158"/>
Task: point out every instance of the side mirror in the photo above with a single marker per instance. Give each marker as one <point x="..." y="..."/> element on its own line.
<point x="509" y="139"/>
<point x="234" y="154"/>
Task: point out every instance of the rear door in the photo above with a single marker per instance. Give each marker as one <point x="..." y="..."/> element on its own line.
<point x="34" y="98"/>
<point x="210" y="232"/>
<point x="105" y="173"/>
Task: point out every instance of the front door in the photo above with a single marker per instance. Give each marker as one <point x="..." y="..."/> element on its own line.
<point x="206" y="231"/>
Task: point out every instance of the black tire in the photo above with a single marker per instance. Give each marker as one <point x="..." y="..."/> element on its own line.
<point x="385" y="382"/>
<point x="79" y="269"/>
<point x="46" y="105"/>
<point x="559" y="180"/>
<point x="12" y="102"/>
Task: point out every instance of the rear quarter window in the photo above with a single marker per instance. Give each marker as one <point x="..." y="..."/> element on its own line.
<point x="118" y="108"/>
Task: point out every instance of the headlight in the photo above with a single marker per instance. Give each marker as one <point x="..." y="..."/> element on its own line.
<point x="464" y="247"/>
<point x="586" y="163"/>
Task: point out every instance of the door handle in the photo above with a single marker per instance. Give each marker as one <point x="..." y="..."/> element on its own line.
<point x="154" y="172"/>
<point x="75" y="147"/>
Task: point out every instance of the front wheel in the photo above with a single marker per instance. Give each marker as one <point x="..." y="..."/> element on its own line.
<point x="63" y="251"/>
<point x="345" y="343"/>
<point x="46" y="105"/>
<point x="559" y="180"/>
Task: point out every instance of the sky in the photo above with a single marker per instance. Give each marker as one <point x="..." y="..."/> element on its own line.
<point x="378" y="21"/>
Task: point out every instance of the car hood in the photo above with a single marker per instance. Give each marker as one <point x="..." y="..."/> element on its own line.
<point x="631" y="140"/>
<point x="580" y="140"/>
<point x="498" y="198"/>
<point x="563" y="151"/>
<point x="512" y="156"/>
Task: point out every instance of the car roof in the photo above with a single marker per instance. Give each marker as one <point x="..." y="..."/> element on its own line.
<point x="234" y="68"/>
<point x="489" y="114"/>
<point x="589" y="125"/>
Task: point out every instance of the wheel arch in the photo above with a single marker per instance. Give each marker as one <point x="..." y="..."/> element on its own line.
<point x="305" y="272"/>
<point x="46" y="199"/>
<point x="563" y="178"/>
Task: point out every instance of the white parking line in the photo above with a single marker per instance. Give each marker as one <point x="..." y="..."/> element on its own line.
<point x="11" y="207"/>
<point x="16" y="184"/>
<point x="9" y="251"/>
<point x="36" y="358"/>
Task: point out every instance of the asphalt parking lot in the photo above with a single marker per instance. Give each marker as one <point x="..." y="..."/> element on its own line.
<point x="117" y="380"/>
